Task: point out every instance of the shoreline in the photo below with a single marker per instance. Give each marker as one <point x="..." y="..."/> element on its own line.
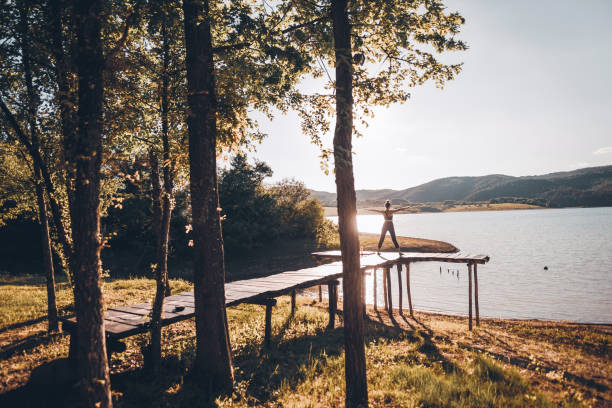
<point x="312" y="293"/>
<point x="333" y="211"/>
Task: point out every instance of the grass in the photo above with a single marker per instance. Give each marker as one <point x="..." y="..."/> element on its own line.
<point x="369" y="242"/>
<point x="426" y="361"/>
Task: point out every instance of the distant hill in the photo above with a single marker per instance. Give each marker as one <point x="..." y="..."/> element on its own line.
<point x="588" y="187"/>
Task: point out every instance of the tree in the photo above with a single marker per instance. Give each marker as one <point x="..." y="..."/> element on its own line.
<point x="85" y="155"/>
<point x="355" y="364"/>
<point x="213" y="355"/>
<point x="28" y="133"/>
<point x="368" y="33"/>
<point x="163" y="20"/>
<point x="253" y="66"/>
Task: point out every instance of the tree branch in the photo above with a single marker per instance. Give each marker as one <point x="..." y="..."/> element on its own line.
<point x="306" y="24"/>
<point x="129" y="22"/>
<point x="230" y="47"/>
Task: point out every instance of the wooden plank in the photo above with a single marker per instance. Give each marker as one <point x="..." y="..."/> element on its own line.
<point x="287" y="281"/>
<point x="258" y="285"/>
<point x="120" y="329"/>
<point x="368" y="261"/>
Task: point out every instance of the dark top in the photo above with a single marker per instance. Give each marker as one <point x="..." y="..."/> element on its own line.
<point x="388" y="215"/>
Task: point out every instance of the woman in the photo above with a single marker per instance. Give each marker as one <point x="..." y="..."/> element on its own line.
<point x="388" y="224"/>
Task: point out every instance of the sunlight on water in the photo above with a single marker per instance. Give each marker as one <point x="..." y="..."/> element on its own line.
<point x="575" y="245"/>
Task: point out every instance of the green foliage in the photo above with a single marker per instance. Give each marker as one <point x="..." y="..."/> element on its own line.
<point x="16" y="185"/>
<point x="399" y="42"/>
<point x="257" y="214"/>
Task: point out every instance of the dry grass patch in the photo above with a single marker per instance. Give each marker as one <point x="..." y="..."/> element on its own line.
<point x="429" y="360"/>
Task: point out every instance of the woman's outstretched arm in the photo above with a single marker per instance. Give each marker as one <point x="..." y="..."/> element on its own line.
<point x="374" y="210"/>
<point x="402" y="208"/>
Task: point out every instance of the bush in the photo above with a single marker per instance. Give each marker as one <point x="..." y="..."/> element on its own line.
<point x="257" y="214"/>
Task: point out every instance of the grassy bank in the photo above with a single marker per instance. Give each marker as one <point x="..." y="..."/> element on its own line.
<point x="429" y="360"/>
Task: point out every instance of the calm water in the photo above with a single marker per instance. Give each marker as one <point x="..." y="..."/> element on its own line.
<point x="575" y="244"/>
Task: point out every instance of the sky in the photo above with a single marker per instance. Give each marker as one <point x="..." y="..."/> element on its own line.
<point x="534" y="97"/>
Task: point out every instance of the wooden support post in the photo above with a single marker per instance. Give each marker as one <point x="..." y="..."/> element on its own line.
<point x="374" y="289"/>
<point x="72" y="351"/>
<point x="408" y="288"/>
<point x="268" y="325"/>
<point x="113" y="346"/>
<point x="293" y="302"/>
<point x="269" y="304"/>
<point x="399" y="286"/>
<point x="363" y="290"/>
<point x="470" y="294"/>
<point x="384" y="274"/>
<point x="332" y="288"/>
<point x="70" y="328"/>
<point x="476" y="294"/>
<point x="320" y="293"/>
<point x="389" y="291"/>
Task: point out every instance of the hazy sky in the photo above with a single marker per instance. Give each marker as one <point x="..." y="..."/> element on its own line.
<point x="534" y="96"/>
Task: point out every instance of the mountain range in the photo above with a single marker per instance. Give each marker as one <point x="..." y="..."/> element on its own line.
<point x="589" y="187"/>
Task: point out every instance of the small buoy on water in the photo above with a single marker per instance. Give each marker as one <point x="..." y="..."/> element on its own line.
<point x="545" y="268"/>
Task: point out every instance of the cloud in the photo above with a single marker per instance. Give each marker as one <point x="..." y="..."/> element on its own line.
<point x="603" y="150"/>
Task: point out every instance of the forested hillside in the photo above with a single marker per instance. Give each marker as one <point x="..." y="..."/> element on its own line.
<point x="588" y="187"/>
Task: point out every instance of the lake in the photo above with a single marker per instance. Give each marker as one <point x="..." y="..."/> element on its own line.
<point x="575" y="244"/>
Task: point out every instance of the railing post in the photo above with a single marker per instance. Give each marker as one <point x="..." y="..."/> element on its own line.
<point x="476" y="294"/>
<point x="389" y="291"/>
<point x="399" y="286"/>
<point x="470" y="294"/>
<point x="374" y="289"/>
<point x="408" y="288"/>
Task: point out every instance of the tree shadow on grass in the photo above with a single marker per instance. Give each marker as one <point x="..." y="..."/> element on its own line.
<point x="26" y="344"/>
<point x="418" y="328"/>
<point x="20" y="325"/>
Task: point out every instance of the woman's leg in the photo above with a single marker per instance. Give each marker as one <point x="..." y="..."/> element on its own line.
<point x="382" y="235"/>
<point x="392" y="232"/>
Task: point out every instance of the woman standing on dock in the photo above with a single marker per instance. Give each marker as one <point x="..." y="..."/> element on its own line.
<point x="388" y="224"/>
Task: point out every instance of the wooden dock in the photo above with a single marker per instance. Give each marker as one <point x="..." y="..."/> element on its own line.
<point x="125" y="321"/>
<point x="386" y="260"/>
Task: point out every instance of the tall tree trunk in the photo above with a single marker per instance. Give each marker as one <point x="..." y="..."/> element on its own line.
<point x="355" y="364"/>
<point x="153" y="353"/>
<point x="32" y="109"/>
<point x="85" y="213"/>
<point x="66" y="100"/>
<point x="168" y="164"/>
<point x="213" y="362"/>
<point x="47" y="254"/>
